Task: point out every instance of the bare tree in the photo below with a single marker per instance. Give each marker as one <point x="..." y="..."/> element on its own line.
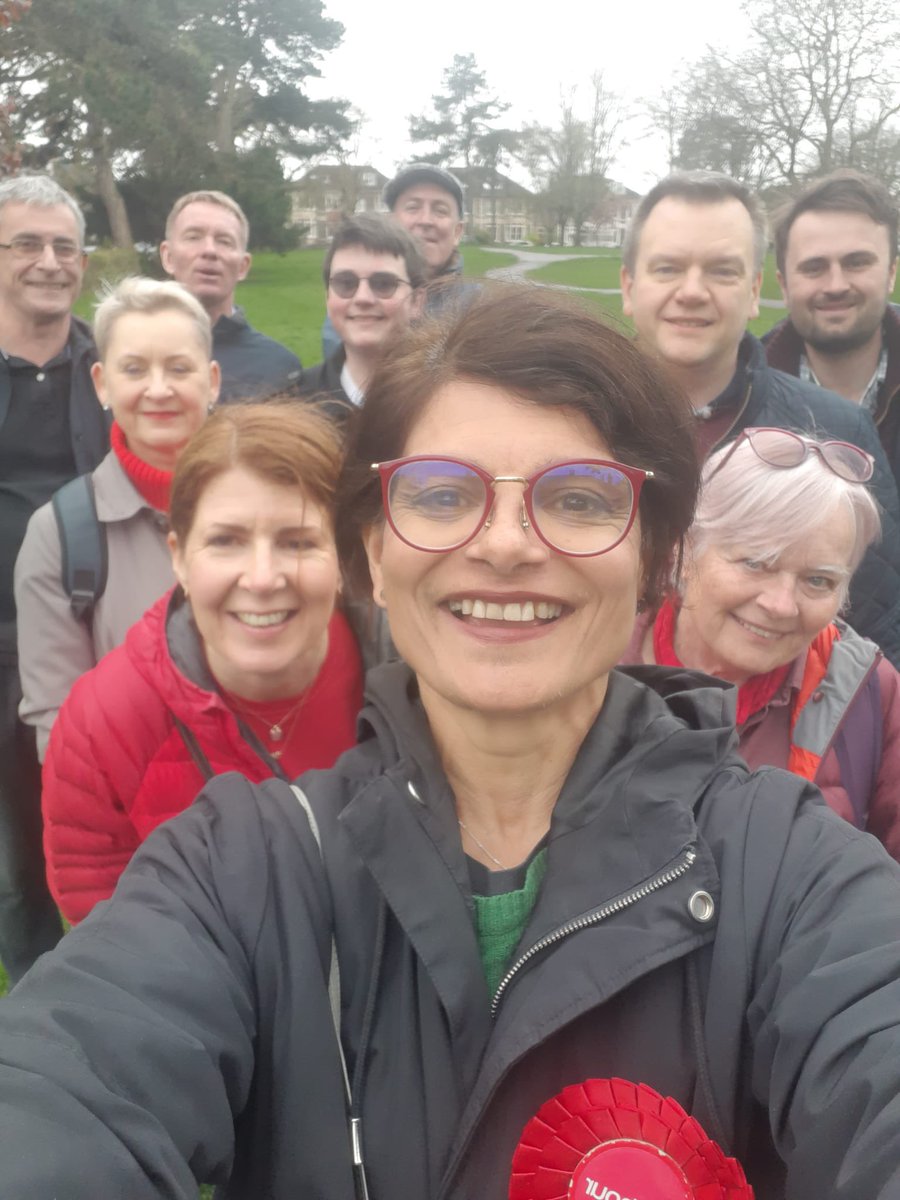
<point x="570" y="161"/>
<point x="813" y="88"/>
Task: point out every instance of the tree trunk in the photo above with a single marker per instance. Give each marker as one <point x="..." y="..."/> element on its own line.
<point x="225" y="110"/>
<point x="113" y="202"/>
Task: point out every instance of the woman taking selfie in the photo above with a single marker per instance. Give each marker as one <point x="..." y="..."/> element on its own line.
<point x="534" y="871"/>
<point x="246" y="667"/>
<point x="782" y="523"/>
<point x="156" y="378"/>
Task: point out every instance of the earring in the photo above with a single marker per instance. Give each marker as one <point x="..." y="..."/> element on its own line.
<point x="105" y="407"/>
<point x="641" y="606"/>
<point x="211" y="406"/>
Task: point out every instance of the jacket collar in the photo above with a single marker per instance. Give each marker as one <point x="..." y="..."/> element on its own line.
<point x="117" y="497"/>
<point x="751" y="359"/>
<point x="784" y="347"/>
<point x="230" y="325"/>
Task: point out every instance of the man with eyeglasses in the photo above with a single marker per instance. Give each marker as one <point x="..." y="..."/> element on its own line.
<point x="51" y="428"/>
<point x="205" y="250"/>
<point x="691" y="276"/>
<point x="374" y="277"/>
<point x="428" y="202"/>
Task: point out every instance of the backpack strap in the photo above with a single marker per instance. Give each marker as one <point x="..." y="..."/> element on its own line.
<point x="82" y="539"/>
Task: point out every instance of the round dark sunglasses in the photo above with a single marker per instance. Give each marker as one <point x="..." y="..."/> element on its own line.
<point x="382" y="284"/>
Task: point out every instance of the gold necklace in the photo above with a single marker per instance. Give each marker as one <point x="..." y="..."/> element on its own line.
<point x="277" y="732"/>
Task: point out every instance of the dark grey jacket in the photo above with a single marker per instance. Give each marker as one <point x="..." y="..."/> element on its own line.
<point x="254" y="367"/>
<point x="184" y="1031"/>
<point x="322" y="383"/>
<point x="88" y="423"/>
<point x="773" y="398"/>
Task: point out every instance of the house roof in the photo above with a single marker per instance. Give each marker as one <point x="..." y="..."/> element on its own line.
<point x="336" y="173"/>
<point x="480" y="181"/>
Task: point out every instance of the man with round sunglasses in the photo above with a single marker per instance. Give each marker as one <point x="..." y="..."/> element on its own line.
<point x="374" y="278"/>
<point x="691" y="277"/>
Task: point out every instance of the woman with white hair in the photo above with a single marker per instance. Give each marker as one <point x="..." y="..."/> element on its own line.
<point x="77" y="594"/>
<point x="782" y="523"/>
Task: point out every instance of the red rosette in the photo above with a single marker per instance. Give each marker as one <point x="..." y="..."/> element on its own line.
<point x="609" y="1139"/>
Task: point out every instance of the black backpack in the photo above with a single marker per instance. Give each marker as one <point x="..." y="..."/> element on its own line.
<point x="82" y="539"/>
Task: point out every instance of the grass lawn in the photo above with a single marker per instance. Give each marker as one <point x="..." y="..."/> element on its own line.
<point x="592" y="272"/>
<point x="596" y="251"/>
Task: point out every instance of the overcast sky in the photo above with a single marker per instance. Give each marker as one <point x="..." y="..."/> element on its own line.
<point x="394" y="53"/>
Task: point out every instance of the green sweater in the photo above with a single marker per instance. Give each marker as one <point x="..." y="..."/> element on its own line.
<point x="500" y="921"/>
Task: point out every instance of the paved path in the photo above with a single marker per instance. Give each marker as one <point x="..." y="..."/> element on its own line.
<point x="527" y="260"/>
<point x="530" y="260"/>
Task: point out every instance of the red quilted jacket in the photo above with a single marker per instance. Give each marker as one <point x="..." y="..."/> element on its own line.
<point x="117" y="767"/>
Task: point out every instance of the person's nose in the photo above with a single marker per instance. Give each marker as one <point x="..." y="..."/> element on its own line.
<point x="506" y="540"/>
<point x="692" y="286"/>
<point x="47" y="260"/>
<point x="778" y="595"/>
<point x="158" y="384"/>
<point x="208" y="247"/>
<point x="261" y="570"/>
<point x="364" y="293"/>
<point x="835" y="280"/>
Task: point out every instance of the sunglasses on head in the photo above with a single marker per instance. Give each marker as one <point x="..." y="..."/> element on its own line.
<point x="382" y="284"/>
<point x="784" y="449"/>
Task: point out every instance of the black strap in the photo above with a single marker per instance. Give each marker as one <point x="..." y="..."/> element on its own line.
<point x="194" y="750"/>
<point x="203" y="763"/>
<point x="82" y="539"/>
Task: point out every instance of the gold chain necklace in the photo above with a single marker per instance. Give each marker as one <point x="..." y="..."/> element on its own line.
<point x="274" y="732"/>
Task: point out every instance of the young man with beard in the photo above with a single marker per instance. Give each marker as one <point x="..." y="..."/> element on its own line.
<point x="836" y="251"/>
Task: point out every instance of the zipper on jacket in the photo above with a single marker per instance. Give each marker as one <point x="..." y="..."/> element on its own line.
<point x="669" y="875"/>
<point x="359" y="1166"/>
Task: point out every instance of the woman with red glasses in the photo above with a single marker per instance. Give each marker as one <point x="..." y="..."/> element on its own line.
<point x="782" y="523"/>
<point x="535" y="870"/>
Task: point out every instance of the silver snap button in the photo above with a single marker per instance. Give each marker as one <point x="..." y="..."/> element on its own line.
<point x="702" y="906"/>
<point x="40" y="377"/>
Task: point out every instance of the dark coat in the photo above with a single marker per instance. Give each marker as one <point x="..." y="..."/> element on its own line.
<point x="88" y="424"/>
<point x="323" y="382"/>
<point x="184" y="1031"/>
<point x="254" y="367"/>
<point x="773" y="398"/>
<point x="784" y="347"/>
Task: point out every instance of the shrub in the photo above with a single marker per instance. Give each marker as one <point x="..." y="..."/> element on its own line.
<point x="109" y="264"/>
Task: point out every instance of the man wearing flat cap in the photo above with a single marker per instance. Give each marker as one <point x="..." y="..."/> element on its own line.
<point x="428" y="202"/>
